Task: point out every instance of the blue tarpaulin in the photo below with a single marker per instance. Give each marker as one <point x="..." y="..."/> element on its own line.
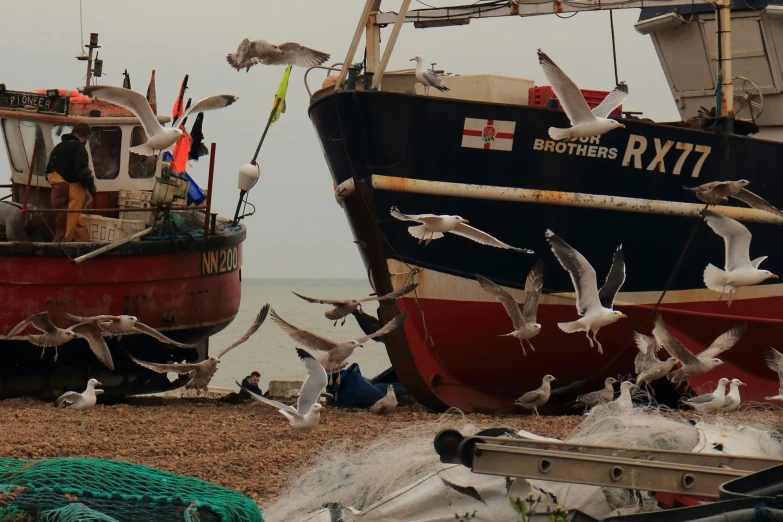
<point x="195" y="195"/>
<point x="355" y="391"/>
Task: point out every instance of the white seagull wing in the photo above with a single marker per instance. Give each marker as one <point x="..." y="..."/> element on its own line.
<point x="295" y="54"/>
<point x="483" y="238"/>
<point x="210" y="103"/>
<point x="131" y="100"/>
<point x="534" y="285"/>
<point x="736" y="238"/>
<point x="671" y="344"/>
<point x="180" y="368"/>
<point x="314" y="384"/>
<point x="279" y="405"/>
<point x="724" y="342"/>
<point x="388" y="327"/>
<point x="391" y="295"/>
<point x="613" y="100"/>
<point x="259" y="320"/>
<point x="417" y="218"/>
<point x="94" y="338"/>
<point x="582" y="273"/>
<point x="40" y="321"/>
<point x="567" y="92"/>
<point x="311" y="340"/>
<point x="508" y="302"/>
<point x="148" y="330"/>
<point x="614" y="280"/>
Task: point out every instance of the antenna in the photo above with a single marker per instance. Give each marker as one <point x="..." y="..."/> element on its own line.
<point x="82" y="55"/>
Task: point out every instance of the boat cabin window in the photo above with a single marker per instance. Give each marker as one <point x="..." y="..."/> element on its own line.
<point x="105" y="147"/>
<point x="140" y="166"/>
<point x="13" y="144"/>
<point x="34" y="145"/>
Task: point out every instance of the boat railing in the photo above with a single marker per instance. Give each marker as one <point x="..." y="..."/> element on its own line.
<point x="328" y="72"/>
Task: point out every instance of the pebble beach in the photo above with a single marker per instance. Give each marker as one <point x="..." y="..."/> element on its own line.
<point x="249" y="448"/>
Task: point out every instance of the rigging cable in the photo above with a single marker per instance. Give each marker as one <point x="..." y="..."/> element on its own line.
<point x="614" y="47"/>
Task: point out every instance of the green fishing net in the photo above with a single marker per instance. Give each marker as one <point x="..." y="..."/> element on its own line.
<point x="94" y="490"/>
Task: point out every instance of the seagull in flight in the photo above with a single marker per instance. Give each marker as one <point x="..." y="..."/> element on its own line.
<point x="337" y="352"/>
<point x="595" y="306"/>
<point x="720" y="191"/>
<point x="307" y="412"/>
<point x="433" y="226"/>
<point x="647" y="366"/>
<point x="53" y="336"/>
<point x="203" y="371"/>
<point x="533" y="400"/>
<point x="739" y="270"/>
<point x="710" y="401"/>
<point x="584" y="122"/>
<point x="80" y="401"/>
<point x="691" y="364"/>
<point x="159" y="138"/>
<point x="125" y="324"/>
<point x="525" y="325"/>
<point x="427" y="78"/>
<point x="345" y="307"/>
<point x="252" y="52"/>
<point x="774" y="360"/>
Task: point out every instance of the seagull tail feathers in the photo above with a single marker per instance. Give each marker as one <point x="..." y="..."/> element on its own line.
<point x="143" y="150"/>
<point x="442" y="88"/>
<point x="559" y="134"/>
<point x="572" y="327"/>
<point x="420" y="232"/>
<point x="715" y="279"/>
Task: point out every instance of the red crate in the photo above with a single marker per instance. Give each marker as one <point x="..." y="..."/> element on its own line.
<point x="539" y="96"/>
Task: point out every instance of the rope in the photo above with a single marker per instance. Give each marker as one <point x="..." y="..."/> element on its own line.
<point x="614" y="48"/>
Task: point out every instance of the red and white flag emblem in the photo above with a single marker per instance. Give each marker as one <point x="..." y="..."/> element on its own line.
<point x="488" y="134"/>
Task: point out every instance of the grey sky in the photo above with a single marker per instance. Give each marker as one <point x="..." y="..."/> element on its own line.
<point x="299" y="231"/>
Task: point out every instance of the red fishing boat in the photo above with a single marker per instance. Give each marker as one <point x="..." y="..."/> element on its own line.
<point x="183" y="277"/>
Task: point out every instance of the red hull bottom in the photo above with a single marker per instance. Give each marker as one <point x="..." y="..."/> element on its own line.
<point x="462" y="357"/>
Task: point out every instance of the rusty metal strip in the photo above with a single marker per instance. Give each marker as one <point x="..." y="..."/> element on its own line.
<point x="600" y="470"/>
<point x="713" y="460"/>
<point x="567" y="199"/>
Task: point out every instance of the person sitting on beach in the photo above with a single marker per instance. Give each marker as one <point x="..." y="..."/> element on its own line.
<point x="251" y="383"/>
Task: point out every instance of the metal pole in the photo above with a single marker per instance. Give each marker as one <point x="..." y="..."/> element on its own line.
<point x="724" y="65"/>
<point x="354" y="43"/>
<point x="376" y="81"/>
<point x="266" y="129"/>
<point x="209" y="187"/>
<point x="111" y="246"/>
<point x="567" y="199"/>
<point x="239" y="206"/>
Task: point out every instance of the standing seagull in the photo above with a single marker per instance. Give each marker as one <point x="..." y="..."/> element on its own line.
<point x="584" y="122"/>
<point x="739" y="269"/>
<point x="732" y="401"/>
<point x="710" y="401"/>
<point x="344" y="307"/>
<point x="204" y="370"/>
<point x="532" y="400"/>
<point x="80" y="401"/>
<point x="525" y="325"/>
<point x="427" y="78"/>
<point x="602" y="396"/>
<point x="647" y="366"/>
<point x="307" y="413"/>
<point x="249" y="53"/>
<point x="595" y="306"/>
<point x="159" y="138"/>
<point x="624" y="402"/>
<point x="692" y="365"/>
<point x="774" y="360"/>
<point x="720" y="191"/>
<point x="53" y="336"/>
<point x="125" y="324"/>
<point x="387" y="404"/>
<point x="338" y="352"/>
<point x="435" y="226"/>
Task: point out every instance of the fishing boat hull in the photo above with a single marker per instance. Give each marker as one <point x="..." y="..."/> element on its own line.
<point x="495" y="165"/>
<point x="186" y="291"/>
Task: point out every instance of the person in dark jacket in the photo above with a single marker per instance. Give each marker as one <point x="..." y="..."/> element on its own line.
<point x="251" y="383"/>
<point x="69" y="175"/>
